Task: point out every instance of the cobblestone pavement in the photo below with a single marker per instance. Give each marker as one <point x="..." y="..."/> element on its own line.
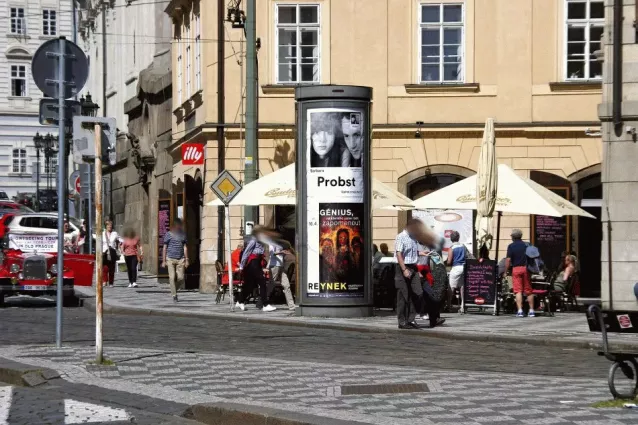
<point x="326" y="389"/>
<point x="60" y="402"/>
<point x="565" y="328"/>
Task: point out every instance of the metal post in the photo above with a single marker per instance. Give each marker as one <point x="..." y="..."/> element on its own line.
<point x="60" y="262"/>
<point x="221" y="151"/>
<point x="229" y="260"/>
<point x="250" y="167"/>
<point x="37" y="181"/>
<point x="98" y="243"/>
<point x="90" y="208"/>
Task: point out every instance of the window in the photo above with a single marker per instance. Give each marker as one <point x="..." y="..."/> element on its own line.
<point x="18" y="23"/>
<point x="49" y="23"/>
<point x="188" y="69"/>
<point x="19" y="160"/>
<point x="584" y="27"/>
<point x="441" y="40"/>
<point x="297" y="38"/>
<point x="179" y="71"/>
<point x="18" y="80"/>
<point x="51" y="165"/>
<point x="198" y="54"/>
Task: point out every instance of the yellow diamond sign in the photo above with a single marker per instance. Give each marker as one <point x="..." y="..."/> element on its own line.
<point x="226" y="187"/>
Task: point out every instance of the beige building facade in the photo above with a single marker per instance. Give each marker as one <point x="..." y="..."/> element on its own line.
<point x="438" y="69"/>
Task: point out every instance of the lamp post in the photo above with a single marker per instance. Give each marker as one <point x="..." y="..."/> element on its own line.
<point x="49" y="151"/>
<point x="89" y="109"/>
<point x="38" y="141"/>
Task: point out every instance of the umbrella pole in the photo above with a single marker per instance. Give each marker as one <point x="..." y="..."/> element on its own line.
<point x="497" y="302"/>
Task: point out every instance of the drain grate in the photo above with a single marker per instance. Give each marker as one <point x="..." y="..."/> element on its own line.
<point x="382" y="389"/>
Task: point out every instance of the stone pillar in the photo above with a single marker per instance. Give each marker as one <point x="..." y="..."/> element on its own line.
<point x="619" y="175"/>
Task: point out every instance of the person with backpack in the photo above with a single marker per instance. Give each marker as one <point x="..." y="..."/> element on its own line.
<point x="521" y="283"/>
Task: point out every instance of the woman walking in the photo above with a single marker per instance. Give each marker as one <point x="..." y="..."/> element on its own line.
<point x="132" y="254"/>
<point x="110" y="243"/>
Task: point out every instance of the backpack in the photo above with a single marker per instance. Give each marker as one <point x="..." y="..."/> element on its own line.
<point x="439" y="274"/>
<point x="534" y="262"/>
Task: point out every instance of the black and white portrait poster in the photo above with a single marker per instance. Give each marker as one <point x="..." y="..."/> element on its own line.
<point x="335" y="141"/>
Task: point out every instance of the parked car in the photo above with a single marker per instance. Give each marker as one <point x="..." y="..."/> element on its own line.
<point x="13" y="207"/>
<point x="4" y="222"/>
<point x="3" y="196"/>
<point x="48" y="199"/>
<point x="26" y="198"/>
<point x="40" y="224"/>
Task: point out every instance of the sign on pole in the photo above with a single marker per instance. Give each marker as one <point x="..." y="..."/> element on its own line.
<point x="50" y="113"/>
<point x="84" y="139"/>
<point x="226" y="187"/>
<point x="60" y="69"/>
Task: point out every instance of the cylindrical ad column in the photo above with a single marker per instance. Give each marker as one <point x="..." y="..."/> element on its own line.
<point x="334" y="204"/>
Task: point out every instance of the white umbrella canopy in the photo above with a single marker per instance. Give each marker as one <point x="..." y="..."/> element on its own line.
<point x="515" y="194"/>
<point x="486" y="185"/>
<point x="279" y="188"/>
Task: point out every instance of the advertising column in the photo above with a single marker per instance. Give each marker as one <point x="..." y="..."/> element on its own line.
<point x="334" y="232"/>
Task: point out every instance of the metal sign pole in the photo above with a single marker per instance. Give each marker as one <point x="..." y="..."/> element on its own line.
<point x="89" y="231"/>
<point x="229" y="260"/>
<point x="98" y="244"/>
<point x="61" y="168"/>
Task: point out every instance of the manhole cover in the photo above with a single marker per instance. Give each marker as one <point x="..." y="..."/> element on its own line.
<point x="383" y="389"/>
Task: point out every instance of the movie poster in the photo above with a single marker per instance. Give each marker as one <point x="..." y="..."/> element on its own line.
<point x="335" y="191"/>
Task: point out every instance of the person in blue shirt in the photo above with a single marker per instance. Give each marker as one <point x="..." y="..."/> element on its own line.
<point x="456" y="257"/>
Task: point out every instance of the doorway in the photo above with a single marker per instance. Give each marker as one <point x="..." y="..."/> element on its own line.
<point x="590" y="235"/>
<point x="192" y="201"/>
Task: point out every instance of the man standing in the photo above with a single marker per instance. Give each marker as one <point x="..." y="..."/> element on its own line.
<point x="278" y="266"/>
<point x="250" y="266"/>
<point x="407" y="280"/>
<point x="517" y="260"/>
<point x="175" y="256"/>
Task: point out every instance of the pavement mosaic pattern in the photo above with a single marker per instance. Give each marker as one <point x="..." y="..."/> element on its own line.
<point x="154" y="296"/>
<point x="453" y="397"/>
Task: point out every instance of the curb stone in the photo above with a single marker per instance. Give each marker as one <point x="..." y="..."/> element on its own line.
<point x="89" y="303"/>
<point x="22" y="375"/>
<point x="239" y="414"/>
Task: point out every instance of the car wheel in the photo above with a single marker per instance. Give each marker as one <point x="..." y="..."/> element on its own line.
<point x="70" y="301"/>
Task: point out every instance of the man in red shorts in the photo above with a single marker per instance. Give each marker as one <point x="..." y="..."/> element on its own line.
<point x="517" y="259"/>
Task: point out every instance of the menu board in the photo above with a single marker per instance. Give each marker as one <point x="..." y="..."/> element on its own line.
<point x="551" y="234"/>
<point x="480" y="282"/>
<point x="163" y="226"/>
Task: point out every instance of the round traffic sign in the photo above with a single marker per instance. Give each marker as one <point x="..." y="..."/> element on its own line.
<point x="77" y="184"/>
<point x="44" y="67"/>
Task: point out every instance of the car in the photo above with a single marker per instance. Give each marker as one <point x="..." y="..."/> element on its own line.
<point x="13" y="207"/>
<point x="41" y="224"/>
<point x="27" y="271"/>
<point x="4" y="196"/>
<point x="4" y="222"/>
<point x="25" y="198"/>
<point x="48" y="199"/>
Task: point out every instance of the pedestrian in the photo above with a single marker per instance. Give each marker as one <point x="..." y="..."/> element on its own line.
<point x="456" y="257"/>
<point x="253" y="273"/>
<point x="279" y="263"/>
<point x="132" y="251"/>
<point x="407" y="279"/>
<point x="521" y="282"/>
<point x="110" y="244"/>
<point x="175" y="256"/>
<point x="70" y="239"/>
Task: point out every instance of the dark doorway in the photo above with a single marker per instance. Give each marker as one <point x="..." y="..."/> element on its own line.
<point x="429" y="183"/>
<point x="590" y="235"/>
<point x="285" y="221"/>
<point x="193" y="195"/>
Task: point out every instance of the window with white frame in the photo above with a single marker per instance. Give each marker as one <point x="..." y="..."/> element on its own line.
<point x="51" y="165"/>
<point x="179" y="71"/>
<point x="198" y="54"/>
<point x="297" y="38"/>
<point x="18" y="22"/>
<point x="441" y="40"/>
<point x="18" y="80"/>
<point x="49" y="22"/>
<point x="189" y="52"/>
<point x="584" y="28"/>
<point x="19" y="160"/>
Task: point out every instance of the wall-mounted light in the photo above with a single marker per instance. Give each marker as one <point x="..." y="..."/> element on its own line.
<point x="417" y="133"/>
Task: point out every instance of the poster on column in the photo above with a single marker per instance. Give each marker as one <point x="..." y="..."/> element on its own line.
<point x="335" y="140"/>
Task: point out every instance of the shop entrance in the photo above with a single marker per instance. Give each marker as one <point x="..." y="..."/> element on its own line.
<point x="590" y="235"/>
<point x="192" y="201"/>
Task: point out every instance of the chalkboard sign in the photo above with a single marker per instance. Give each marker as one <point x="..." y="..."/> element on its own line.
<point x="163" y="226"/>
<point x="480" y="282"/>
<point x="551" y="234"/>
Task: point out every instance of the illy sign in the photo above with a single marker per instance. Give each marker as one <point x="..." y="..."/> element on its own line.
<point x="192" y="154"/>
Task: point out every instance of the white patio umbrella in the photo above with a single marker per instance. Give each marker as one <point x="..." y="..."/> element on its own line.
<point x="279" y="188"/>
<point x="486" y="185"/>
<point x="515" y="194"/>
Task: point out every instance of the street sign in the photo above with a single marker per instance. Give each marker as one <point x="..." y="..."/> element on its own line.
<point x="74" y="182"/>
<point x="192" y="154"/>
<point x="84" y="138"/>
<point x="44" y="68"/>
<point x="50" y="114"/>
<point x="226" y="187"/>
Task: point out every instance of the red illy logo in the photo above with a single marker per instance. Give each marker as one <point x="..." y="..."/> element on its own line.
<point x="192" y="154"/>
<point x="479" y="301"/>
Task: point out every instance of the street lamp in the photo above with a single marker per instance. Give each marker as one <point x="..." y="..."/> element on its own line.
<point x="89" y="108"/>
<point x="38" y="140"/>
<point x="49" y="150"/>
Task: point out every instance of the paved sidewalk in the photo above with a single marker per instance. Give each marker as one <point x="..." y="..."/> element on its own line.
<point x="152" y="297"/>
<point x="363" y="393"/>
